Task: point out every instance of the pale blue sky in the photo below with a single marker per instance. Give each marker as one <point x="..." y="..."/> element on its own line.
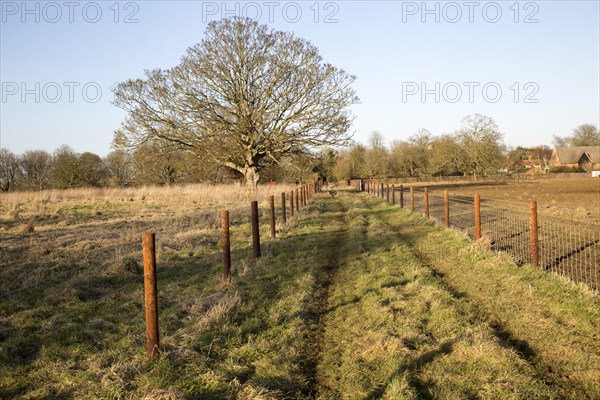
<point x="393" y="53"/>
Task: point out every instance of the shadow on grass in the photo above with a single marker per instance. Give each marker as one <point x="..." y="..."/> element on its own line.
<point x="413" y="367"/>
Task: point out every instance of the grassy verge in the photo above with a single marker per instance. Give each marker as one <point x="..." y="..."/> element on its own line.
<point x="551" y="324"/>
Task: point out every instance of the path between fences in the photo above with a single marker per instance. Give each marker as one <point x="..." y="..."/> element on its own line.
<point x="573" y="249"/>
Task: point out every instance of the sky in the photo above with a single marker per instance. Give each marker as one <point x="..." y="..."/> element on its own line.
<point x="533" y="66"/>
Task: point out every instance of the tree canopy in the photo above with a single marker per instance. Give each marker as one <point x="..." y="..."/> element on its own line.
<point x="242" y="97"/>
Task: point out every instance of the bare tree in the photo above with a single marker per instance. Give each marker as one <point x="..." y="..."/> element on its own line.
<point x="448" y="157"/>
<point x="9" y="166"/>
<point x="34" y="169"/>
<point x="66" y="168"/>
<point x="481" y="144"/>
<point x="158" y="165"/>
<point x="119" y="165"/>
<point x="244" y="95"/>
<point x="583" y="135"/>
<point x="93" y="169"/>
<point x="412" y="157"/>
<point x="375" y="163"/>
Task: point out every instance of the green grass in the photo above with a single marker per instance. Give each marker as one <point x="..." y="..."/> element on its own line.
<point x="355" y="299"/>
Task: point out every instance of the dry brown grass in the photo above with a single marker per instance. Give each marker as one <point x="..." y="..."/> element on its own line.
<point x="49" y="233"/>
<point x="35" y="204"/>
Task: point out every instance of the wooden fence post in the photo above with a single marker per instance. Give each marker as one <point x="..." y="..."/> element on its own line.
<point x="255" y="229"/>
<point x="297" y="201"/>
<point x="446" y="209"/>
<point x="305" y="196"/>
<point x="272" y="216"/>
<point x="412" y="198"/>
<point x="426" y="202"/>
<point x="533" y="233"/>
<point x="150" y="294"/>
<point x="387" y="193"/>
<point x="401" y="196"/>
<point x="393" y="194"/>
<point x="477" y="210"/>
<point x="283" y="216"/>
<point x="292" y="202"/>
<point x="226" y="245"/>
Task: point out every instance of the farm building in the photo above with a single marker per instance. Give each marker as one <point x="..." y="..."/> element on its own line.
<point x="585" y="157"/>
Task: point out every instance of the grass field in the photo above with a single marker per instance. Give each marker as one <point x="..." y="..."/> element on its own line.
<point x="355" y="299"/>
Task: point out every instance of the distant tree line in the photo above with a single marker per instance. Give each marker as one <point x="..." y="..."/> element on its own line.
<point x="476" y="149"/>
<point x="148" y="165"/>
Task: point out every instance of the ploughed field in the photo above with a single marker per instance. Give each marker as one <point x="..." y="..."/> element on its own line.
<point x="354" y="299"/>
<point x="575" y="198"/>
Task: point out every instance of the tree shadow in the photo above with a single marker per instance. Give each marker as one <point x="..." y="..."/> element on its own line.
<point x="413" y="367"/>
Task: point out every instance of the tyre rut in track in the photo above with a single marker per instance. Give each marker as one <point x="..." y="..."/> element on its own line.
<point x="329" y="260"/>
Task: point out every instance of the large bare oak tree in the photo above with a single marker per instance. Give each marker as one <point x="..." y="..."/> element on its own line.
<point x="245" y="95"/>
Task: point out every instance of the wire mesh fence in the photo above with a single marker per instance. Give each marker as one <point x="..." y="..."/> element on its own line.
<point x="571" y="248"/>
<point x="567" y="247"/>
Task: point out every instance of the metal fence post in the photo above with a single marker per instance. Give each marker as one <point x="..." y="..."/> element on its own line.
<point x="533" y="233"/>
<point x="446" y="209"/>
<point x="426" y="203"/>
<point x="283" y="216"/>
<point x="255" y="229"/>
<point x="226" y="245"/>
<point x="272" y="214"/>
<point x="292" y="202"/>
<point x="150" y="294"/>
<point x="401" y="196"/>
<point x="477" y="211"/>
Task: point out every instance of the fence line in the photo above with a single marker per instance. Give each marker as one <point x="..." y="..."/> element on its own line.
<point x="484" y="178"/>
<point x="567" y="247"/>
<point x="304" y="194"/>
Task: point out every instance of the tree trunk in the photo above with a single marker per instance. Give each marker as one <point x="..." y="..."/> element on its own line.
<point x="252" y="176"/>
